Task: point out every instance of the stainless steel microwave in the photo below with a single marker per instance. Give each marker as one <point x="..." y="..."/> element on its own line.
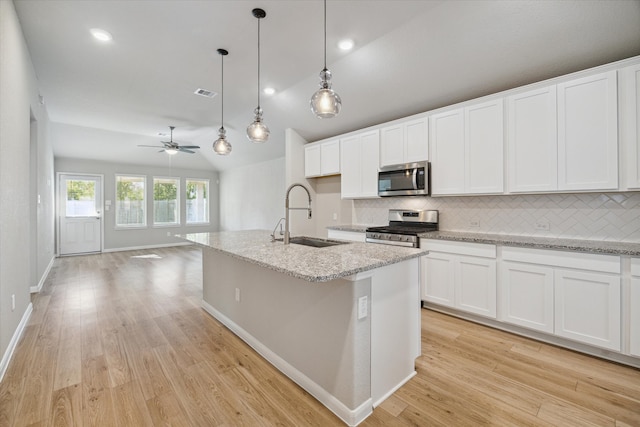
<point x="404" y="180"/>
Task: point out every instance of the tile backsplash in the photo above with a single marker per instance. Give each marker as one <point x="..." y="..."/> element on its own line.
<point x="596" y="216"/>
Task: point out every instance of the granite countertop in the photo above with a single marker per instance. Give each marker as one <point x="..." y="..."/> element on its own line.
<point x="303" y="262"/>
<point x="350" y="227"/>
<point x="590" y="246"/>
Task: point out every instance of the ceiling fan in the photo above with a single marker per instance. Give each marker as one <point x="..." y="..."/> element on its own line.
<point x="171" y="147"/>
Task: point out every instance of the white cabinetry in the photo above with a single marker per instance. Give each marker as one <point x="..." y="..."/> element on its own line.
<point x="634" y="308"/>
<point x="630" y="124"/>
<point x="526" y="297"/>
<point x="587" y="307"/>
<point x="352" y="236"/>
<point x="564" y="137"/>
<point x="570" y="294"/>
<point x="359" y="158"/>
<point x="466" y="150"/>
<point x="460" y="275"/>
<point x="588" y="133"/>
<point x="321" y="159"/>
<point x="532" y="145"/>
<point x="405" y="142"/>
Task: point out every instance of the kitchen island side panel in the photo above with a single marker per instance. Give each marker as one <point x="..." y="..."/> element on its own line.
<point x="312" y="326"/>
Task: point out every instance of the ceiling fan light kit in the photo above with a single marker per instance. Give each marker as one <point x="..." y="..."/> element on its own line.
<point x="325" y="103"/>
<point x="221" y="146"/>
<point x="258" y="132"/>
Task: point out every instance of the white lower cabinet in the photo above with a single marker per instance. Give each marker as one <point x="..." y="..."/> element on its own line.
<point x="461" y="276"/>
<point x="587" y="307"/>
<point x="527" y="295"/>
<point x="634" y="308"/>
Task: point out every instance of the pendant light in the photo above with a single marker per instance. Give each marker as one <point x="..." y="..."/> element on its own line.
<point x="257" y="131"/>
<point x="325" y="103"/>
<point x="221" y="145"/>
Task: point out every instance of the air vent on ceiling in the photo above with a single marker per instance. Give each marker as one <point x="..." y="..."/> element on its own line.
<point x="205" y="93"/>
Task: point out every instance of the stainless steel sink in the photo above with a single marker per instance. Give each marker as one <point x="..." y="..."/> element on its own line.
<point x="315" y="242"/>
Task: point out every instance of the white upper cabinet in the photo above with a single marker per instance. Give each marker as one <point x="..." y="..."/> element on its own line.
<point x="359" y="155"/>
<point x="532" y="144"/>
<point x="322" y="159"/>
<point x="484" y="145"/>
<point x="630" y="124"/>
<point x="447" y="152"/>
<point x="588" y="133"/>
<point x="466" y="150"/>
<point x="405" y="142"/>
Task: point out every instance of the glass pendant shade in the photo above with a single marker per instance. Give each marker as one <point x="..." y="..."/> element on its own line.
<point x="257" y="131"/>
<point x="325" y="103"/>
<point x="221" y="146"/>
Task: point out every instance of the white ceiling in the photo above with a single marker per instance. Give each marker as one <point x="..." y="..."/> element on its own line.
<point x="410" y="56"/>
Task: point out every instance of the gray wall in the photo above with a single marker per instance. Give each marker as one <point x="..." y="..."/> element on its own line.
<point x="22" y="231"/>
<point x="118" y="239"/>
<point x="252" y="197"/>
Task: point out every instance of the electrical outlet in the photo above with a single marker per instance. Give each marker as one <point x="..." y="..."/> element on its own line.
<point x="474" y="223"/>
<point x="237" y="294"/>
<point x="168" y="233"/>
<point x="362" y="307"/>
<point x="542" y="224"/>
<point x="335" y="216"/>
<point x="13" y="302"/>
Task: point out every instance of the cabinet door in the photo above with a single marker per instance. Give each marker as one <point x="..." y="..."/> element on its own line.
<point x="587" y="308"/>
<point x="475" y="285"/>
<point x="588" y="133"/>
<point x="447" y="152"/>
<point x="484" y="146"/>
<point x="634" y="325"/>
<point x="437" y="278"/>
<point x="532" y="144"/>
<point x="527" y="295"/>
<point x="312" y="160"/>
<point x="370" y="158"/>
<point x="350" y="181"/>
<point x="330" y="157"/>
<point x="630" y="123"/>
<point x="416" y="141"/>
<point x="392" y="145"/>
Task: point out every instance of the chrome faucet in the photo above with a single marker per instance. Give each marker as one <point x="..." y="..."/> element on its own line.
<point x="287" y="209"/>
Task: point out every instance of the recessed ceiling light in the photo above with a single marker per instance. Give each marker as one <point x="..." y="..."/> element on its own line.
<point x="269" y="90"/>
<point x="102" y="35"/>
<point x="346" y="44"/>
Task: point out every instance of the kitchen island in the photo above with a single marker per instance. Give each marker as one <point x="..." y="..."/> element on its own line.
<point x="343" y="321"/>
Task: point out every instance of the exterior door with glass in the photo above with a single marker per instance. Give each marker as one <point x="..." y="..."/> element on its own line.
<point x="79" y="214"/>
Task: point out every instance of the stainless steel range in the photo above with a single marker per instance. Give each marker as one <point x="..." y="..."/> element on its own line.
<point x="404" y="227"/>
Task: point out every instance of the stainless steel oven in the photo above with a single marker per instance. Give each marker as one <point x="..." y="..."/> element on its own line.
<point x="404" y="180"/>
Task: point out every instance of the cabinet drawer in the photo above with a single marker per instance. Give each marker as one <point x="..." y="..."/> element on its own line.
<point x="460" y="248"/>
<point x="577" y="260"/>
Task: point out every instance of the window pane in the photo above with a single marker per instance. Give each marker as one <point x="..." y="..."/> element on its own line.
<point x="130" y="201"/>
<point x="81" y="198"/>
<point x="166" y="201"/>
<point x="197" y="201"/>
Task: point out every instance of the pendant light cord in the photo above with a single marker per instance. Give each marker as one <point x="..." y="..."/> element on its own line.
<point x="258" y="63"/>
<point x="222" y="92"/>
<point x="325" y="34"/>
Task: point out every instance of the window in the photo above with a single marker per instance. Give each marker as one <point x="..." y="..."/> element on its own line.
<point x="130" y="201"/>
<point x="81" y="198"/>
<point x="197" y="201"/>
<point x="166" y="201"/>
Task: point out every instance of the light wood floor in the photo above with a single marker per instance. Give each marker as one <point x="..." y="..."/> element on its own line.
<point x="119" y="339"/>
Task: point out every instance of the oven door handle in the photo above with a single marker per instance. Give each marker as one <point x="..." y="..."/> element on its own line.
<point x="415" y="178"/>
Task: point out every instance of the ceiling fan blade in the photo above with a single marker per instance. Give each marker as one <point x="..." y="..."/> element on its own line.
<point x="161" y="151"/>
<point x="182" y="149"/>
<point x="190" y="146"/>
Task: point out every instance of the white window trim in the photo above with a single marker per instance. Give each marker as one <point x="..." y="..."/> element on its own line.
<point x="203" y="223"/>
<point x="178" y="202"/>
<point x="146" y="213"/>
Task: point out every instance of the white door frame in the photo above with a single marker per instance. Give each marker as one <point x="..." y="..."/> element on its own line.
<point x="58" y="202"/>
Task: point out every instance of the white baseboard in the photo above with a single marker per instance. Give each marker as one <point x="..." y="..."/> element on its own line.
<point x="137" y="248"/>
<point x="38" y="287"/>
<point x="351" y="417"/>
<point x="6" y="358"/>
